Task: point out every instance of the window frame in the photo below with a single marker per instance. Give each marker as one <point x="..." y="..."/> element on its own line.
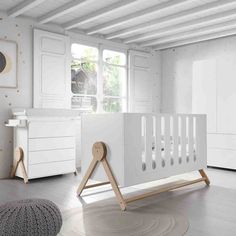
<point x="100" y="63"/>
<point x="105" y="47"/>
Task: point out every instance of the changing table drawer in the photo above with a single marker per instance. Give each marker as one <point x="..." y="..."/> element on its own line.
<point x="51" y="156"/>
<point x="49" y="169"/>
<point x="40" y="129"/>
<point x="40" y="144"/>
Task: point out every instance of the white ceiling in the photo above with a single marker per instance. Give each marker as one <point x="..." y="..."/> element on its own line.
<point x="151" y="23"/>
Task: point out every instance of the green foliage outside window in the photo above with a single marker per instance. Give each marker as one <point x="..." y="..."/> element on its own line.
<point x="84" y="78"/>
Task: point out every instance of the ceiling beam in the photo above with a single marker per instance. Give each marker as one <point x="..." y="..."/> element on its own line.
<point x="60" y="11"/>
<point x="189" y="34"/>
<point x="98" y="13"/>
<point x="220" y="34"/>
<point x="193" y="24"/>
<point x="142" y="13"/>
<point x="176" y="18"/>
<point x="23" y="7"/>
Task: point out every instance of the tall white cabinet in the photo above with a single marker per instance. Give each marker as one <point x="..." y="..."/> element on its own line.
<point x="214" y="93"/>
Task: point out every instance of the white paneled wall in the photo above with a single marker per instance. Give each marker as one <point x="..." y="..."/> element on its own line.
<point x="52" y="85"/>
<point x="201" y="78"/>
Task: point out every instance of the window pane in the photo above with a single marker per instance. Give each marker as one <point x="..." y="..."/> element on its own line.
<point x="114" y="81"/>
<point x="112" y="105"/>
<point x="83" y="77"/>
<point x="112" y="57"/>
<point x="87" y="104"/>
<point x="83" y="52"/>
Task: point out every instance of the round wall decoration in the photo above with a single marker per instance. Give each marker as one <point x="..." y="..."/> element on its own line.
<point x="3" y="62"/>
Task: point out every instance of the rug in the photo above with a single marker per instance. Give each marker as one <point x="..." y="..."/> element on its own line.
<point x="106" y="219"/>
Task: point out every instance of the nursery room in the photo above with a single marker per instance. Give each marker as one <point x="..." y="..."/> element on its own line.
<point x="117" y="117"/>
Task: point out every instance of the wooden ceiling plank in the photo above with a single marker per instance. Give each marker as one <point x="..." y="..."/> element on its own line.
<point x="23" y="7"/>
<point x="175" y="18"/>
<point x="98" y="13"/>
<point x="193" y="24"/>
<point x="195" y="39"/>
<point x="189" y="34"/>
<point x="60" y="11"/>
<point x="121" y="20"/>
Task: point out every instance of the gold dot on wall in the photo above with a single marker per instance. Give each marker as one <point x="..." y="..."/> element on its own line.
<point x="16" y="25"/>
<point x="17" y="90"/>
<point x="9" y="104"/>
<point x="6" y="96"/>
<point x="10" y="141"/>
<point x="18" y="34"/>
<point x="5" y="37"/>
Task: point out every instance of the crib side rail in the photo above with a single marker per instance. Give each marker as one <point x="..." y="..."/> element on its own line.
<point x="165" y="143"/>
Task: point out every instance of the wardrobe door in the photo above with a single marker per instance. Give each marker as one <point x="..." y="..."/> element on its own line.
<point x="51" y="70"/>
<point x="226" y="112"/>
<point x="204" y="91"/>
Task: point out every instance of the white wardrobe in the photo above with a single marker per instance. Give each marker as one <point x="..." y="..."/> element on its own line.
<point x="214" y="93"/>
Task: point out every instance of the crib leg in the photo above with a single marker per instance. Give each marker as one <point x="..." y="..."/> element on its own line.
<point x="114" y="184"/>
<point x="88" y="174"/>
<point x="204" y="175"/>
<point x="99" y="155"/>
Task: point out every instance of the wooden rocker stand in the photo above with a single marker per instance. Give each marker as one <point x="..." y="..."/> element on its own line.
<point x="99" y="152"/>
<point x="19" y="162"/>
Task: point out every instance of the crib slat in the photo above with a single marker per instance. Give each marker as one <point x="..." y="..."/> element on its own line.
<point x="167" y="140"/>
<point x="175" y="138"/>
<point x="190" y="138"/>
<point x="143" y="142"/>
<point x="149" y="135"/>
<point x="183" y="138"/>
<point x="158" y="141"/>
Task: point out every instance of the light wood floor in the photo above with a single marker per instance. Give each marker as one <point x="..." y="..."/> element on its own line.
<point x="211" y="211"/>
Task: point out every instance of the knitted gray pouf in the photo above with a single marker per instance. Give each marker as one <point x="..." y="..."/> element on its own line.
<point x="30" y="217"/>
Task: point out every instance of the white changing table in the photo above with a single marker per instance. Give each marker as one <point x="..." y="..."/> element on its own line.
<point x="48" y="140"/>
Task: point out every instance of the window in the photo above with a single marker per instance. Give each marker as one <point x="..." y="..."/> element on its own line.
<point x="98" y="79"/>
<point x="84" y="71"/>
<point x="114" y="81"/>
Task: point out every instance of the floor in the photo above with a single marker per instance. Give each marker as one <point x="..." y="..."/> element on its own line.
<point x="210" y="210"/>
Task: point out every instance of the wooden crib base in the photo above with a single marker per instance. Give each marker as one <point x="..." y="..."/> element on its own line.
<point x="99" y="156"/>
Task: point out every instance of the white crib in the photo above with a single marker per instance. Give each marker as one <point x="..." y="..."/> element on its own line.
<point x="144" y="147"/>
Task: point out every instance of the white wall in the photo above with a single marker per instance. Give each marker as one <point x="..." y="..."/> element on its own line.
<point x="20" y="97"/>
<point x="21" y="31"/>
<point x="156" y="65"/>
